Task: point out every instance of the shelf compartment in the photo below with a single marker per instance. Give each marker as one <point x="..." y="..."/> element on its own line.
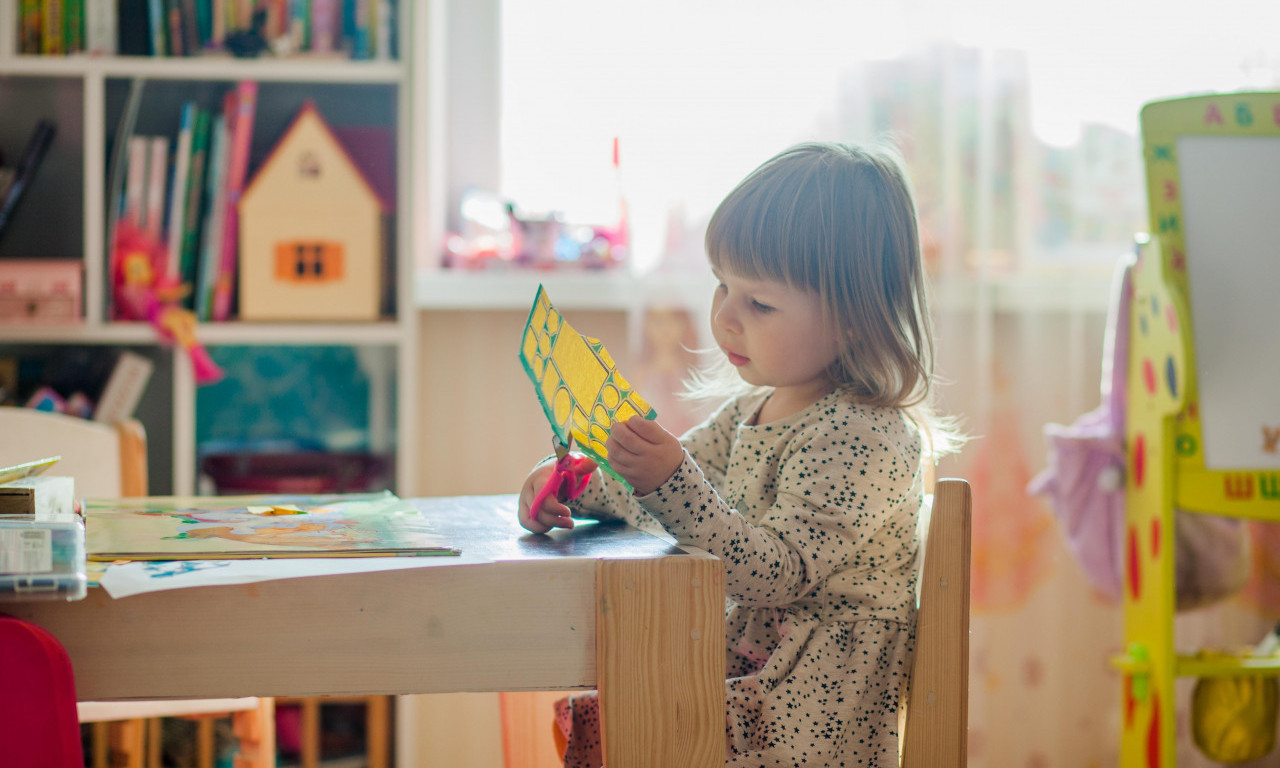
<point x="48" y="221"/>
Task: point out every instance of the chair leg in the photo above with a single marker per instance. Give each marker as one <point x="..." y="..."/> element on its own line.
<point x="101" y="746"/>
<point x="155" y="741"/>
<point x="310" y="737"/>
<point x="204" y="742"/>
<point x="256" y="731"/>
<point x="126" y="738"/>
<point x="377" y="731"/>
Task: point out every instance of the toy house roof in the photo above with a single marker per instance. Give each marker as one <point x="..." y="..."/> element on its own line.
<point x="309" y="112"/>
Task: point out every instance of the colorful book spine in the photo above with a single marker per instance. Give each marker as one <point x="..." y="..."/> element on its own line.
<point x="135" y="185"/>
<point x="52" y="31"/>
<point x="73" y="29"/>
<point x="362" y="29"/>
<point x="173" y="18"/>
<point x="324" y="25"/>
<point x="383" y="26"/>
<point x="178" y="191"/>
<point x="30" y="32"/>
<point x="217" y="23"/>
<point x="157" y="175"/>
<point x="237" y="169"/>
<point x="210" y="262"/>
<point x="100" y="28"/>
<point x="190" y="28"/>
<point x="194" y="197"/>
<point x="242" y="12"/>
<point x="300" y="23"/>
<point x="133" y="27"/>
<point x="158" y="24"/>
<point x="203" y="13"/>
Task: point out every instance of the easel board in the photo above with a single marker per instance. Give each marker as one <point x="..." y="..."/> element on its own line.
<point x="1213" y="183"/>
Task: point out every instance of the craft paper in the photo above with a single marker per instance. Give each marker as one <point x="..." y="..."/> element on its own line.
<point x="576" y="380"/>
<point x="222" y="527"/>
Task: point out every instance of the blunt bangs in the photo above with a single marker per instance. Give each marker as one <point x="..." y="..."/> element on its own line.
<point x="838" y="221"/>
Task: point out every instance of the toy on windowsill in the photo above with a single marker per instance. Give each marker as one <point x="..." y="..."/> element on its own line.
<point x="496" y="234"/>
<point x="142" y="292"/>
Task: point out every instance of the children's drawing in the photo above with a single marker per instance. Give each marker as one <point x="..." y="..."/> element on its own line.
<point x="576" y="380"/>
<point x="167" y="569"/>
<point x="228" y="527"/>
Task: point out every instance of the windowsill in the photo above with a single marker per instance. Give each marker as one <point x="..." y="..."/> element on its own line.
<point x="1082" y="291"/>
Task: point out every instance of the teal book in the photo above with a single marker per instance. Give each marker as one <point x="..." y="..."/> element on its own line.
<point x="194" y="203"/>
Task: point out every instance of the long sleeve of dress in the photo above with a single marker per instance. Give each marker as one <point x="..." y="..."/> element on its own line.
<point x="834" y="485"/>
<point x="605" y="498"/>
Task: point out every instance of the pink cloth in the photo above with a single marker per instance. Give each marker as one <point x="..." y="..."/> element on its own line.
<point x="1085" y="486"/>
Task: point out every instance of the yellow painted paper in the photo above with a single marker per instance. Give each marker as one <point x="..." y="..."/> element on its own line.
<point x="576" y="381"/>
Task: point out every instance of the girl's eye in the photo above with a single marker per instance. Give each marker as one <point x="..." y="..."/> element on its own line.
<point x="763" y="308"/>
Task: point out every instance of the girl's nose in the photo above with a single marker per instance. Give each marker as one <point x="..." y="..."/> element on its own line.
<point x="724" y="317"/>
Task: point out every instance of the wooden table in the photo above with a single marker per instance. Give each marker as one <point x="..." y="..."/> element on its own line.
<point x="603" y="606"/>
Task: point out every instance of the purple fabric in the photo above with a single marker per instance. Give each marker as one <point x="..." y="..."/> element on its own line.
<point x="1084" y="483"/>
<point x="1085" y="486"/>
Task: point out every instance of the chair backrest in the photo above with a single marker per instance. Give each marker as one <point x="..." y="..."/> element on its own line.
<point x="938" y="701"/>
<point x="106" y="460"/>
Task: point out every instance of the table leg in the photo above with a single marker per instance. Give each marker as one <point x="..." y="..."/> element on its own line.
<point x="660" y="661"/>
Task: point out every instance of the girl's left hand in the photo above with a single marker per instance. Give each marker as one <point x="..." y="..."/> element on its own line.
<point x="643" y="453"/>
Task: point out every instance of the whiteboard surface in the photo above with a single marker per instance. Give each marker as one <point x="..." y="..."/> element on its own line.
<point x="1230" y="188"/>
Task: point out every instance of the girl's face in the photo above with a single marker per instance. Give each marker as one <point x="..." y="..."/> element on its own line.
<point x="774" y="334"/>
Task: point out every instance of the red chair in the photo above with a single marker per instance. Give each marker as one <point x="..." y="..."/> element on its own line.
<point x="38" y="723"/>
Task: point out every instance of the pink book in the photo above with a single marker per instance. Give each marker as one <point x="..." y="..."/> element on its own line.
<point x="237" y="169"/>
<point x="324" y="25"/>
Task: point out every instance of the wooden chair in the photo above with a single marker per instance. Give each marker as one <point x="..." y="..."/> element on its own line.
<point x="938" y="702"/>
<point x="111" y="461"/>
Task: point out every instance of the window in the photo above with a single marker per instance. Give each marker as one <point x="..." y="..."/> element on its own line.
<point x="1018" y="120"/>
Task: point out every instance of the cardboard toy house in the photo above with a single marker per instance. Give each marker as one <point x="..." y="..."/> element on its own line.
<point x="311" y="231"/>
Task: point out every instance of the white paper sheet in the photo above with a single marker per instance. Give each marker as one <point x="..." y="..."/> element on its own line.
<point x="139" y="577"/>
<point x="1230" y="186"/>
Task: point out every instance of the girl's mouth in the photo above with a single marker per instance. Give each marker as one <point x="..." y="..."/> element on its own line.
<point x="736" y="360"/>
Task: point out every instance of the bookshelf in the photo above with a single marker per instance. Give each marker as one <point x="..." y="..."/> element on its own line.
<point x="66" y="214"/>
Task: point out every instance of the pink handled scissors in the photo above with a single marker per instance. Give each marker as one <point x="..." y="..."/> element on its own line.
<point x="568" y="479"/>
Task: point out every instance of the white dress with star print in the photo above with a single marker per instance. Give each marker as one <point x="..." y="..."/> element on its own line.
<point x="814" y="516"/>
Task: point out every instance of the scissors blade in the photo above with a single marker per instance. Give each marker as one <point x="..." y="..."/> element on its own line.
<point x="562" y="446"/>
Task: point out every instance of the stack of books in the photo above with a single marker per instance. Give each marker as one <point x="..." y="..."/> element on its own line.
<point x="357" y="29"/>
<point x="183" y="192"/>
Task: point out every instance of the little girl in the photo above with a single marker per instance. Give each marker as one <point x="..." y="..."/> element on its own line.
<point x="808" y="480"/>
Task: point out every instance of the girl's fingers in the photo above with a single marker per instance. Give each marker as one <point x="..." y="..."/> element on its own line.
<point x="552" y="514"/>
<point x="624" y="437"/>
<point x="647" y="430"/>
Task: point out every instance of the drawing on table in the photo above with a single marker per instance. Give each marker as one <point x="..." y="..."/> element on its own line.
<point x="227" y="527"/>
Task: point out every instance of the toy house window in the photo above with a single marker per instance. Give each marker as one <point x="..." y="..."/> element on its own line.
<point x="309" y="166"/>
<point x="303" y="261"/>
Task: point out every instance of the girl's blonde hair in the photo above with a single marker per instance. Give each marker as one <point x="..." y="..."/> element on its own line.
<point x="840" y="220"/>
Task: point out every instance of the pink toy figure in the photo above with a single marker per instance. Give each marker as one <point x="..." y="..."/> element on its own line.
<point x="142" y="292"/>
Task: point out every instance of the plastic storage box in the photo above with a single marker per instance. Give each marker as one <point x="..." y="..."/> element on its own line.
<point x="42" y="559"/>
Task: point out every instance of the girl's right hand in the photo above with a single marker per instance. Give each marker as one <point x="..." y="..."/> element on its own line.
<point x="552" y="512"/>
